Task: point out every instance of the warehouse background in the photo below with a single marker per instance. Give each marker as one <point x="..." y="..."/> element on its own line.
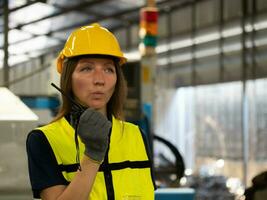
<point x="210" y="84"/>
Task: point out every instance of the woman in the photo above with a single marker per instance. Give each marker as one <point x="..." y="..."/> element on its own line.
<point x="110" y="159"/>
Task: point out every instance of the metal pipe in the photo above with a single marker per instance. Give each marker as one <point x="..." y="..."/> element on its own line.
<point x="169" y="53"/>
<point x="244" y="108"/>
<point x="221" y="42"/>
<point x="6" y="29"/>
<point x="253" y="33"/>
<point x="193" y="47"/>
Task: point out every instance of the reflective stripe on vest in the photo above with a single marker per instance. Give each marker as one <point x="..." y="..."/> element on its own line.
<point x="126" y="169"/>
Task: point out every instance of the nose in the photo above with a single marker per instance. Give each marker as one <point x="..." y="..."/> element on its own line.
<point x="98" y="77"/>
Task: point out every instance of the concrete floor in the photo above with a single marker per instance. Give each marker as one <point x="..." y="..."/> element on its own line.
<point x="16" y="197"/>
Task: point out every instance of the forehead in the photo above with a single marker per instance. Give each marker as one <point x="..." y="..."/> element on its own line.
<point x="93" y="59"/>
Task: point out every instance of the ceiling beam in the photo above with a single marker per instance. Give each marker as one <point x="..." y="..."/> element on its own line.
<point x="50" y="34"/>
<point x="64" y="11"/>
<point x="81" y="10"/>
<point x="22" y="6"/>
<point x="160" y="5"/>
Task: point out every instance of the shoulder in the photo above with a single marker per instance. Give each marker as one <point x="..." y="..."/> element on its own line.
<point x="51" y="125"/>
<point x="136" y="129"/>
<point x="57" y="126"/>
<point x="36" y="140"/>
<point x="38" y="147"/>
<point x="130" y="129"/>
<point x="124" y="124"/>
<point x="35" y="136"/>
<point x="131" y="125"/>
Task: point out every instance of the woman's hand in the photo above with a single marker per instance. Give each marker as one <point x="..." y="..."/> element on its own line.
<point x="93" y="129"/>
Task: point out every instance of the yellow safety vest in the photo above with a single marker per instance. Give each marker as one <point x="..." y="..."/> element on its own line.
<point x="126" y="170"/>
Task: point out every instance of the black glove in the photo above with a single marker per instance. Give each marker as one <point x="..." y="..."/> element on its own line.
<point x="93" y="129"/>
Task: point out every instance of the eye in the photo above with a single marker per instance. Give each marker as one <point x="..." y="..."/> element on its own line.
<point x="109" y="69"/>
<point x="86" y="68"/>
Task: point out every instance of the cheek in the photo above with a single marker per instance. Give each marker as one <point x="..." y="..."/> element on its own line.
<point x="78" y="85"/>
<point x="113" y="84"/>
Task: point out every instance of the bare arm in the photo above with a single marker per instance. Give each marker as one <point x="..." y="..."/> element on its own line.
<point x="79" y="188"/>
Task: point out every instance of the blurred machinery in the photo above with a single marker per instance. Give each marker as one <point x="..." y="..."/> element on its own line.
<point x="44" y="106"/>
<point x="209" y="187"/>
<point x="16" y="120"/>
<point x="132" y="107"/>
<point x="137" y="115"/>
<point x="168" y="173"/>
<point x="258" y="190"/>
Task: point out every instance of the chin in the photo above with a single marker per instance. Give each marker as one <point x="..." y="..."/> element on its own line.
<point x="96" y="107"/>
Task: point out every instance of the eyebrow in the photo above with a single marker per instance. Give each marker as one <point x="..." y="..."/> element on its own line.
<point x="106" y="62"/>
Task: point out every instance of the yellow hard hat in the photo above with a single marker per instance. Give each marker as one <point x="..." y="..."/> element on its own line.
<point x="88" y="40"/>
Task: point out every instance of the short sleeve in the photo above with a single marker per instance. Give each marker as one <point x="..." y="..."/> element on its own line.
<point x="42" y="164"/>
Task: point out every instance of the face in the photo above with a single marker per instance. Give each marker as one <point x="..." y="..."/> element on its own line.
<point x="93" y="82"/>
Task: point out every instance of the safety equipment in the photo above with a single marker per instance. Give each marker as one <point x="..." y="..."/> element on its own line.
<point x="126" y="169"/>
<point x="90" y="40"/>
<point x="93" y="129"/>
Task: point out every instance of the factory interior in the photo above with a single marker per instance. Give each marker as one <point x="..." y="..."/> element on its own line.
<point x="196" y="72"/>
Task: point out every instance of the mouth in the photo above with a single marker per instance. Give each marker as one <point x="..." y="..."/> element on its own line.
<point x="97" y="95"/>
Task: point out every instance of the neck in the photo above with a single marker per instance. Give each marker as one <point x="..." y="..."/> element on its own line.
<point x="103" y="111"/>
